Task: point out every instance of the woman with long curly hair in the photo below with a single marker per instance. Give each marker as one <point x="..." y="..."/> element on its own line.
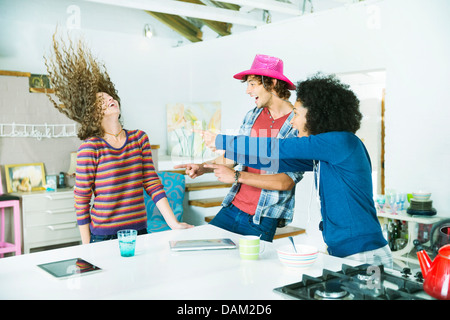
<point x="327" y="116"/>
<point x="114" y="165"/>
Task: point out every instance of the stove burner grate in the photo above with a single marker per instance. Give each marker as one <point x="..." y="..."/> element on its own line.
<point x="332" y="290"/>
<point x="353" y="283"/>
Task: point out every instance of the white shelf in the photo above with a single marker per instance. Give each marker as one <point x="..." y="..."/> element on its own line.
<point x="405" y="254"/>
<point x="38" y="131"/>
<point x="402" y="215"/>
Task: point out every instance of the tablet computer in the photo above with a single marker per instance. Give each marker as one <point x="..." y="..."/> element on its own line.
<point x="205" y="244"/>
<point x="66" y="268"/>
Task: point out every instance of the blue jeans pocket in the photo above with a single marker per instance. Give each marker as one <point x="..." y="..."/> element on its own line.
<point x="235" y="220"/>
<point x="266" y="228"/>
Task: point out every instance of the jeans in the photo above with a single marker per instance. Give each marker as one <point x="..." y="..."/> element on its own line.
<point x="100" y="237"/>
<point x="235" y="220"/>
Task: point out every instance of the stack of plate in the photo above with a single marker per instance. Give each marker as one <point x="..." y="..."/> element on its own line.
<point x="421" y="204"/>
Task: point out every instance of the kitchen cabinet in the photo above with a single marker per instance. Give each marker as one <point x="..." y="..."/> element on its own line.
<point x="49" y="218"/>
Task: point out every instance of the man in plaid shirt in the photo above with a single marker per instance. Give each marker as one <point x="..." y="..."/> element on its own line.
<point x="259" y="201"/>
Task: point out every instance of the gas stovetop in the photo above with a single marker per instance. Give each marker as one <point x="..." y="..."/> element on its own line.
<point x="364" y="282"/>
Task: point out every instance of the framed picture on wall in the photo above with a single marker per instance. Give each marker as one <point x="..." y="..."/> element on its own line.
<point x="40" y="83"/>
<point x="25" y="177"/>
<point x="182" y="119"/>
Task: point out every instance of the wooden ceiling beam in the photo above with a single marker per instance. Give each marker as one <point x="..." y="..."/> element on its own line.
<point x="226" y="5"/>
<point x="270" y="5"/>
<point x="187" y="10"/>
<point x="221" y="28"/>
<point x="179" y="25"/>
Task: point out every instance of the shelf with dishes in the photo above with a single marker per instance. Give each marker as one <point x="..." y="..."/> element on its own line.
<point x="402" y="225"/>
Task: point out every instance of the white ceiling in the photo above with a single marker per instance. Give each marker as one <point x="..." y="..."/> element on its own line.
<point x="248" y="15"/>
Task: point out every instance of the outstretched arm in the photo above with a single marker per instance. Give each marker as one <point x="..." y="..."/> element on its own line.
<point x="194" y="170"/>
<point x="279" y="181"/>
<point x="166" y="211"/>
<point x="259" y="153"/>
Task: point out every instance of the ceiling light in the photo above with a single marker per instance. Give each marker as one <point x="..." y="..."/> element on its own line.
<point x="148" y="32"/>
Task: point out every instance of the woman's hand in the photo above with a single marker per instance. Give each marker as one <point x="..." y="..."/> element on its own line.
<point x="169" y="217"/>
<point x="181" y="225"/>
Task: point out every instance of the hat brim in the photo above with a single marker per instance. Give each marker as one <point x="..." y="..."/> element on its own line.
<point x="267" y="73"/>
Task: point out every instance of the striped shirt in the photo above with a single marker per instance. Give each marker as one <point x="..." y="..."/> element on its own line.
<point x="114" y="178"/>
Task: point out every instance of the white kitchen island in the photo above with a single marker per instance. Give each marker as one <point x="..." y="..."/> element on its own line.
<point x="155" y="272"/>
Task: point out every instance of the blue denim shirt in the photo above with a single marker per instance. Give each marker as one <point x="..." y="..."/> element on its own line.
<point x="272" y="203"/>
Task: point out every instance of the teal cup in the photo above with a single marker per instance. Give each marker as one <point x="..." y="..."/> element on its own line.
<point x="127" y="242"/>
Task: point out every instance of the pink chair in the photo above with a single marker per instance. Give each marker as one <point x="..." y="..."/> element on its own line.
<point x="10" y="201"/>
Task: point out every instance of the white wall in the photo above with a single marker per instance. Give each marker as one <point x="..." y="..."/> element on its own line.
<point x="410" y="41"/>
<point x="115" y="36"/>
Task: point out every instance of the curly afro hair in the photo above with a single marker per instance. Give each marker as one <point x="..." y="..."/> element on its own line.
<point x="331" y="105"/>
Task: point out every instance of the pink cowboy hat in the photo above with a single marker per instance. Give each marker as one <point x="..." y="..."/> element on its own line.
<point x="266" y="66"/>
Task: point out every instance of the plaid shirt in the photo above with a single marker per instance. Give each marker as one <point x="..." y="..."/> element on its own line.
<point x="272" y="203"/>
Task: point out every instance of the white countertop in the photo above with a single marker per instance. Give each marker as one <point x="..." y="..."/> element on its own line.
<point x="155" y="272"/>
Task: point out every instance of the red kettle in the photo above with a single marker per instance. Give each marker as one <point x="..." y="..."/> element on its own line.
<point x="436" y="273"/>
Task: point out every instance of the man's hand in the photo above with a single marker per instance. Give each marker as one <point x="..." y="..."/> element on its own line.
<point x="223" y="173"/>
<point x="193" y="170"/>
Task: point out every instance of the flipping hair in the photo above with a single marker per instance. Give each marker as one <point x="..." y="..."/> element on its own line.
<point x="76" y="76"/>
<point x="331" y="105"/>
<point x="281" y="87"/>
